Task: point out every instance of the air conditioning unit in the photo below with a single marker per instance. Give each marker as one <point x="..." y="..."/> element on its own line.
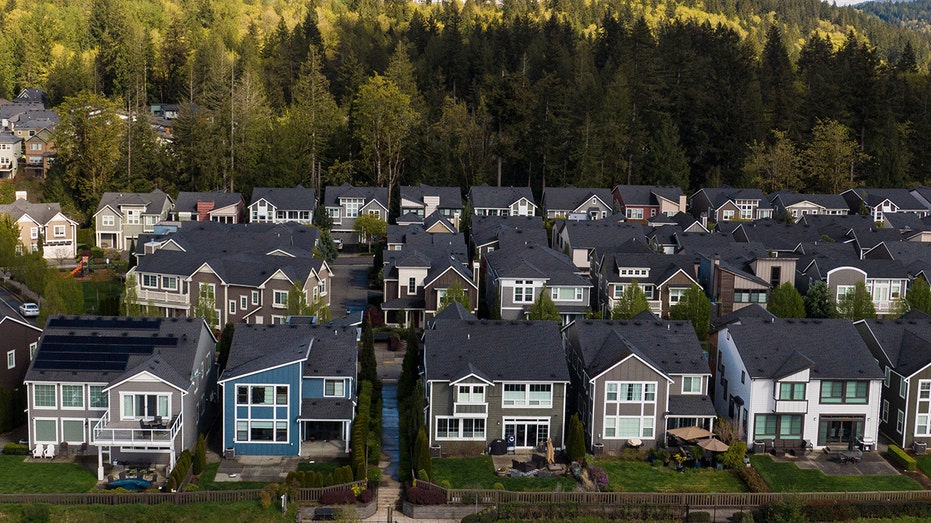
<point x="230" y="453"/>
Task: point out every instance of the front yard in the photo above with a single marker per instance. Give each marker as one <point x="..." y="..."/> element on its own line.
<point x="21" y="477"/>
<point x="787" y="477"/>
<point x="640" y="476"/>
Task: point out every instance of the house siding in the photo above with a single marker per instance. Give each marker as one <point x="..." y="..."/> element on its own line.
<point x="16" y="337"/>
<point x="631" y="370"/>
<point x="289" y="375"/>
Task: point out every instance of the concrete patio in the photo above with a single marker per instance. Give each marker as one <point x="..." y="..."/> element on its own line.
<point x="872" y="464"/>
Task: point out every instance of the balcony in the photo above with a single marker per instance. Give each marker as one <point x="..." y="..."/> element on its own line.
<point x="470" y="410"/>
<point x="791" y="406"/>
<point x="129" y="433"/>
<point x="163" y="298"/>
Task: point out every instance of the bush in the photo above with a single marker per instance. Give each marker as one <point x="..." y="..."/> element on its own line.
<point x="902" y="459"/>
<point x="786" y="510"/>
<point x="425" y="496"/>
<point x="734" y="457"/>
<point x="265" y="498"/>
<point x="742" y="517"/>
<point x="338" y="497"/>
<point x="830" y="511"/>
<point x="599" y="477"/>
<point x="36" y="513"/>
<point x="489" y="515"/>
<point x="200" y="455"/>
<point x="15" y="449"/>
<point x="699" y="516"/>
<point x="496" y="486"/>
<point x="366" y="495"/>
<point x="753" y="480"/>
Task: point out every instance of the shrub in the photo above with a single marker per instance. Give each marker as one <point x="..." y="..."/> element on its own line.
<point x="16" y="449"/>
<point x="599" y="477"/>
<point x="902" y="459"/>
<point x="265" y="498"/>
<point x="200" y="455"/>
<point x="734" y="457"/>
<point x="425" y="496"/>
<point x="366" y="495"/>
<point x="752" y="479"/>
<point x="699" y="516"/>
<point x="786" y="510"/>
<point x="172" y="484"/>
<point x="36" y="513"/>
<point x="338" y="497"/>
<point x="742" y="517"/>
<point x="830" y="511"/>
<point x="496" y="486"/>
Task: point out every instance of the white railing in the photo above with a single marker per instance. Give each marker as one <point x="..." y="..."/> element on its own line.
<point x="144" y="296"/>
<point x="135" y="436"/>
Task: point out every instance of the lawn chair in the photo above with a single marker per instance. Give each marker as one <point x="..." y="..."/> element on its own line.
<point x="39" y="451"/>
<point x="50" y="451"/>
<point x="83" y="448"/>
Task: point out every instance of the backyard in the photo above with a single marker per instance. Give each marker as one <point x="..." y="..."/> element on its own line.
<point x="640" y="476"/>
<point x="207" y="481"/>
<point x="18" y="476"/>
<point x="479" y="472"/>
<point x="787" y="477"/>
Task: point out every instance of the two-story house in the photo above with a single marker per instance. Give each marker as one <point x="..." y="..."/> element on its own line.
<point x="663" y="278"/>
<point x="637" y="379"/>
<point x="287" y="386"/>
<point x="876" y="202"/>
<point x="723" y="204"/>
<point x="218" y="206"/>
<point x="345" y="203"/>
<point x="812" y="380"/>
<point x="516" y="274"/>
<point x="423" y="200"/>
<point x="489" y="233"/>
<point x="10" y="151"/>
<point x="577" y="203"/>
<point x="20" y="344"/>
<point x="584" y="240"/>
<point x="282" y="204"/>
<point x="43" y="226"/>
<point x="121" y="217"/>
<point x="501" y="201"/>
<point x="480" y="388"/>
<point x="742" y="273"/>
<point x="40" y="152"/>
<point x="134" y="389"/>
<point x="796" y="205"/>
<point x="642" y="202"/>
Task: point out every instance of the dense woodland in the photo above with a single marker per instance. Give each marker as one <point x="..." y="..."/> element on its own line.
<point x="776" y="93"/>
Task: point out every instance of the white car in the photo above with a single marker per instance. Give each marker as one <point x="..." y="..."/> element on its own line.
<point x="29" y="309"/>
<point x="339" y="244"/>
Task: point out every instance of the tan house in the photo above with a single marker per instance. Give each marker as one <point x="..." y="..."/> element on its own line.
<point x="39" y="152"/>
<point x="43" y="226"/>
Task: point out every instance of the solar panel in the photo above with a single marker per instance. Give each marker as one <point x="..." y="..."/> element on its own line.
<point x="105" y="323"/>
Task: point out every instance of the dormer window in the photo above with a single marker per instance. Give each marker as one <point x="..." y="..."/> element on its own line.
<point x="470" y="394"/>
<point x="630" y="271"/>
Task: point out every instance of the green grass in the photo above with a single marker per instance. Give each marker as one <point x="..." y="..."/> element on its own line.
<point x="18" y="476"/>
<point x="924" y="464"/>
<point x="787" y="477"/>
<point x="240" y="512"/>
<point x="96" y="292"/>
<point x="479" y="472"/>
<point x="208" y="481"/>
<point x="641" y="476"/>
<point x="323" y="467"/>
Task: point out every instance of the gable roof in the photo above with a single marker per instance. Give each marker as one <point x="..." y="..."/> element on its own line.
<point x="872" y="196"/>
<point x="534" y="261"/>
<point x="648" y="194"/>
<point x="367" y="194"/>
<point x="506" y="229"/>
<point x="828" y="201"/>
<point x="454" y="311"/>
<point x="187" y="201"/>
<point x="153" y="202"/>
<point x="486" y="197"/>
<point x="42" y="213"/>
<point x="718" y="196"/>
<point x="450" y="197"/>
<point x="906" y="342"/>
<point x="286" y="198"/>
<point x="571" y="198"/>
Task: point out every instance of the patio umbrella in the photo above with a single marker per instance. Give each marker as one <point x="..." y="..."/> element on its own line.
<point x="690" y="433"/>
<point x="550" y="452"/>
<point x="713" y="445"/>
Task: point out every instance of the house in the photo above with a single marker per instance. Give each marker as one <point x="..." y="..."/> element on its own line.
<point x="637" y="379"/>
<point x="10" y="151"/>
<point x="779" y="238"/>
<point x="40" y="152"/>
<point x="642" y="202"/>
<point x="501" y="201"/>
<point x="577" y="203"/>
<point x="796" y="205"/>
<point x="121" y="217"/>
<point x="878" y="202"/>
<point x="581" y="240"/>
<point x="516" y="274"/>
<point x="244" y="271"/>
<point x="480" y="388"/>
<point x="43" y="226"/>
<point x="488" y="233"/>
<point x="219" y="206"/>
<point x="345" y="203"/>
<point x="279" y="205"/>
<point x="812" y="380"/>
<point x="31" y="121"/>
<point x="134" y="389"/>
<point x="741" y="274"/>
<point x="288" y="386"/>
<point x="663" y="278"/>
<point x="21" y="341"/>
<point x="723" y="204"/>
<point x="423" y="200"/>
<point x="684" y="221"/>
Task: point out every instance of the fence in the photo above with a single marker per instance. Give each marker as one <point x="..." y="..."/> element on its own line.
<point x="177" y="498"/>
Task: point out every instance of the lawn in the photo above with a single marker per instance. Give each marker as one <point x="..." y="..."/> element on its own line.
<point x="323" y="467"/>
<point x="924" y="464"/>
<point x="18" y="476"/>
<point x="787" y="477"/>
<point x="240" y="512"/>
<point x="208" y="481"/>
<point x="640" y="476"/>
<point x="101" y="295"/>
<point x="479" y="472"/>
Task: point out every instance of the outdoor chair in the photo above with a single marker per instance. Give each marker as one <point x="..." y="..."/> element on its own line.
<point x="83" y="448"/>
<point x="39" y="451"/>
<point x="50" y="451"/>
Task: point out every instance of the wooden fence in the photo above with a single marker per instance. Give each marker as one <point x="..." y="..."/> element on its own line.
<point x="155" y="498"/>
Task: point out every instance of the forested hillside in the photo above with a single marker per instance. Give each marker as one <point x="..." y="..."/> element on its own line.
<point x="913" y="14"/>
<point x="779" y="93"/>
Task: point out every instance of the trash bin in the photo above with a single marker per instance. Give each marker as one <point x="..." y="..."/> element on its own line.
<point x="920" y="447"/>
<point x="598" y="449"/>
<point x="759" y="447"/>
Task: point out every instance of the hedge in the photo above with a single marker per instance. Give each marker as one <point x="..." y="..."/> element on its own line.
<point x="841" y="511"/>
<point x="753" y="480"/>
<point x="902" y="458"/>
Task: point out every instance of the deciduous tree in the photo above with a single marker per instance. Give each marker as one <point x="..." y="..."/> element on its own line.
<point x="918" y="297"/>
<point x="543" y="308"/>
<point x="786" y="302"/>
<point x="632" y="302"/>
<point x="857" y="304"/>
<point x="695" y="307"/>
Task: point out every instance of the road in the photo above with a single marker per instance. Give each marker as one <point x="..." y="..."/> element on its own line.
<point x="349" y="284"/>
<point x="9" y="306"/>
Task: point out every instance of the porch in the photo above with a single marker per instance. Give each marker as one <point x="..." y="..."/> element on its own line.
<point x="134" y="437"/>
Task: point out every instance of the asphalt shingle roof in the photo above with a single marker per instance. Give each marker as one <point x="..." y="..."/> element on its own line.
<point x="187" y="201"/>
<point x="488" y="229"/>
<point x="646" y="194"/>
<point x="485" y="197"/>
<point x="286" y="198"/>
<point x="906" y="342"/>
<point x="570" y="198"/>
<point x="333" y="193"/>
<point x="154" y="201"/>
<point x="258" y="347"/>
<point x="450" y="197"/>
<point x="531" y="260"/>
<point x="40" y="212"/>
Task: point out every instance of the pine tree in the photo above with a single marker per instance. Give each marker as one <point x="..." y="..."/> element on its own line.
<point x="786" y="302"/>
<point x="575" y="439"/>
<point x="423" y="464"/>
<point x="818" y="302"/>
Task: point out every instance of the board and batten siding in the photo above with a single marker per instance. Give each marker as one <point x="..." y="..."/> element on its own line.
<point x="289" y="375"/>
<point x="631" y="370"/>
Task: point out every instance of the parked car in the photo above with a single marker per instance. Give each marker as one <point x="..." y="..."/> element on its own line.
<point x="339" y="244"/>
<point x="29" y="309"/>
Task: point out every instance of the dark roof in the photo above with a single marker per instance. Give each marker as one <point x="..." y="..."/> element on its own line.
<point x="334" y="193"/>
<point x="902" y="198"/>
<point x="828" y="201"/>
<point x="333" y="352"/>
<point x="485" y="197"/>
<point x="333" y="409"/>
<point x="661" y="266"/>
<point x="287" y="198"/>
<point x="435" y="217"/>
<point x="670" y="346"/>
<point x="454" y="311"/>
<point x="776" y="235"/>
<point x="109" y="349"/>
<point x="646" y="194"/>
<point x="571" y="198"/>
<point x="830" y="256"/>
<point x="906" y="342"/>
<point x="498" y="350"/>
<point x="754" y="311"/>
<point x="32" y="95"/>
<point x="680" y="219"/>
<point x="154" y="201"/>
<point x="488" y="229"/>
<point x="187" y="201"/>
<point x="260" y="347"/>
<point x="450" y="197"/>
<point x="718" y="196"/>
<point x="533" y="261"/>
<point x="602" y="235"/>
<point x="210" y="238"/>
<point x="691" y="405"/>
<point x="832" y="349"/>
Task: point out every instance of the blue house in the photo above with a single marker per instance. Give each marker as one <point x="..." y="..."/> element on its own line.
<point x="288" y="386"/>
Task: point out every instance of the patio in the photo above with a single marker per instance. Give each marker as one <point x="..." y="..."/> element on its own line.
<point x="872" y="464"/>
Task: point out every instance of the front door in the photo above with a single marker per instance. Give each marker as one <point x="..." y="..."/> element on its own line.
<point x="839" y="430"/>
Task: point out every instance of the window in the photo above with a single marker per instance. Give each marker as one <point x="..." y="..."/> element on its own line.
<point x="903" y="387"/>
<point x="46" y="431"/>
<point x="522" y="395"/>
<point x="137" y="406"/>
<point x="262" y="395"/>
<point x="72" y="396"/>
<point x="634" y="272"/>
<point x="455" y="428"/>
<point x="34" y="233"/>
<point x="352" y="206"/>
<point x="44" y="396"/>
<point x="923" y="410"/>
<point x="10" y="359"/>
<point x="333" y="212"/>
<point x="150" y="281"/>
<point x="132" y="216"/>
<point x="322" y="287"/>
<point x="58" y="231"/>
<point x="727" y="215"/>
<point x="281" y="299"/>
<point x="676" y="294"/>
<point x="243" y="302"/>
<point x="170" y="283"/>
<point x="98" y="398"/>
<point x="792" y="391"/>
<point x="843" y="290"/>
<point x="620" y="427"/>
<point x="33" y="347"/>
<point x="470" y="394"/>
<point x="743" y="376"/>
<point x="412" y="285"/>
<point x="899" y="421"/>
<point x="775" y="276"/>
<point x="885" y="412"/>
<point x="72" y="431"/>
<point x="107" y="220"/>
<point x="634" y="213"/>
<point x="523" y="291"/>
<point x="749" y="296"/>
<point x="782" y="426"/>
<point x="255" y="297"/>
<point x="262" y="430"/>
<point x="334" y="388"/>
<point x="746" y="209"/>
<point x="844" y="391"/>
<point x="232" y="307"/>
<point x="887" y="377"/>
<point x="691" y="384"/>
<point x="566" y="293"/>
<point x="35" y="146"/>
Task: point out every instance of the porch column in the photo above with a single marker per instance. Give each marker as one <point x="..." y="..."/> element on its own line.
<point x="346" y="435"/>
<point x="99" y="463"/>
<point x="171" y="459"/>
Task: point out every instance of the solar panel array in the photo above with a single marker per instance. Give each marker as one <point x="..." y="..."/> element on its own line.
<point x="95" y="353"/>
<point x="65" y="322"/>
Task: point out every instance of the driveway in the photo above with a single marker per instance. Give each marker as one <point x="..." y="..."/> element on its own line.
<point x="349" y="284"/>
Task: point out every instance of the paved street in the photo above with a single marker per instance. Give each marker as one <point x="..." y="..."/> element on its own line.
<point x="9" y="306"/>
<point x="349" y="284"/>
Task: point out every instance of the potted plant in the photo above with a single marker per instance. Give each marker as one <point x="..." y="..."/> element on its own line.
<point x="651" y="455"/>
<point x="680" y="460"/>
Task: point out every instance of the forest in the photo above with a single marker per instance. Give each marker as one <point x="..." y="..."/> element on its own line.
<point x="779" y="94"/>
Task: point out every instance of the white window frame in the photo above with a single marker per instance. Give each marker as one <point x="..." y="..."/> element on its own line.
<point x="11" y="359"/>
<point x="885" y="411"/>
<point x="899" y="421"/>
<point x="843" y="290"/>
<point x="634" y="213"/>
<point x="78" y="421"/>
<point x="470" y="393"/>
<point x="888" y="377"/>
<point x="35" y="396"/>
<point x="35" y="432"/>
<point x="104" y="394"/>
<point x="107" y="220"/>
<point x="692" y="381"/>
<point x="676" y="294"/>
<point x="134" y="415"/>
<point x="277" y="302"/>
<point x="133" y="216"/>
<point x="33" y="347"/>
<point x="903" y="387"/>
<point x="727" y="215"/>
<point x="412" y="285"/>
<point x="58" y="231"/>
<point x="526" y="288"/>
<point x="646" y="388"/>
<point x="526" y="402"/>
<point x="70" y="387"/>
<point x="232" y="308"/>
<point x="339" y="388"/>
<point x="352" y="206"/>
<point x="279" y="420"/>
<point x="243" y="302"/>
<point x="923" y="409"/>
<point x="33" y="233"/>
<point x="148" y="281"/>
<point x="645" y="429"/>
<point x="255" y="297"/>
<point x="460" y="428"/>
<point x="170" y="283"/>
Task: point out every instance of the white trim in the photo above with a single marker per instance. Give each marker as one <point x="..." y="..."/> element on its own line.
<point x="473" y="375"/>
<point x="33" y="432"/>
<point x="122" y="416"/>
<point x="84" y="430"/>
<point x="632" y="355"/>
<point x="144" y="373"/>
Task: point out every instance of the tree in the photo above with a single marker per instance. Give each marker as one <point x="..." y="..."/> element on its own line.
<point x="575" y="439"/>
<point x="314" y="115"/>
<point x="62" y="295"/>
<point x="786" y="302"/>
<point x="695" y="307"/>
<point x="856" y="304"/>
<point x="831" y="159"/>
<point x="200" y="455"/>
<point x="297" y="300"/>
<point x="774" y="166"/>
<point x="918" y="297"/>
<point x="130" y="306"/>
<point x="543" y="308"/>
<point x="370" y="228"/>
<point x="9" y="240"/>
<point x="327" y="247"/>
<point x="454" y="294"/>
<point x="206" y="306"/>
<point x="818" y="302"/>
<point x="423" y="464"/>
<point x="632" y="302"/>
<point x="368" y="365"/>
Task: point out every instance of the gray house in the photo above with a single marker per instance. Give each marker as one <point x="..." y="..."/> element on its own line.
<point x="122" y="217"/>
<point x="577" y="203"/>
<point x="480" y="388"/>
<point x="134" y="389"/>
<point x="637" y="379"/>
<point x="217" y="206"/>
<point x="345" y="203"/>
<point x="501" y="201"/>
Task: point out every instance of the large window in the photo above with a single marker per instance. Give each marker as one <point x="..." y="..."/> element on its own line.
<point x="58" y="231"/>
<point x="616" y="427"/>
<point x="72" y="431"/>
<point x="170" y="283"/>
<point x="137" y="406"/>
<point x="634" y="213"/>
<point x="460" y="428"/>
<point x="352" y="206"/>
<point x="749" y="296"/>
<point x="280" y="299"/>
<point x="843" y="290"/>
<point x="44" y="396"/>
<point x="334" y="388"/>
<point x="262" y="395"/>
<point x="72" y="396"/>
<point x="623" y="392"/>
<point x="46" y="431"/>
<point x="262" y="430"/>
<point x="923" y="410"/>
<point x="691" y="385"/>
<point x="844" y="391"/>
<point x="675" y="295"/>
<point x="792" y="391"/>
<point x="527" y="395"/>
<point x="98" y="398"/>
<point x="782" y="426"/>
<point x="132" y="216"/>
<point x="523" y="291"/>
<point x="566" y="293"/>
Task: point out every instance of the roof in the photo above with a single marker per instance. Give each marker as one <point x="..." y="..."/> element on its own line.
<point x="334" y="193"/>
<point x="486" y="197"/>
<point x="776" y="235"/>
<point x="902" y="198"/>
<point x="498" y="350"/>
<point x="718" y="196"/>
<point x="647" y="194"/>
<point x="831" y="349"/>
<point x="661" y="266"/>
<point x="333" y="352"/>
<point x="571" y="198"/>
<point x="691" y="405"/>
<point x="287" y="198"/>
<point x="154" y="202"/>
<point x="906" y="342"/>
<point x="109" y="349"/>
<point x="40" y="212"/>
<point x="187" y="201"/>
<point x="259" y="347"/>
<point x="504" y="229"/>
<point x="450" y="197"/>
<point x="828" y="201"/>
<point x="326" y="409"/>
<point x="680" y="219"/>
<point x="454" y="311"/>
<point x="603" y="234"/>
<point x="533" y="261"/>
<point x="754" y="311"/>
<point x="670" y="346"/>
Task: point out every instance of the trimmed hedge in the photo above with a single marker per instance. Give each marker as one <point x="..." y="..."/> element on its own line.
<point x="699" y="517"/>
<point x="840" y="511"/>
<point x="15" y="449"/>
<point x="425" y="496"/>
<point x="902" y="458"/>
<point x="338" y="497"/>
<point x="752" y="479"/>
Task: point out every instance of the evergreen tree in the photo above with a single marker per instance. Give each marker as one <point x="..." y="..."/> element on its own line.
<point x="695" y="307"/>
<point x="818" y="302"/>
<point x="200" y="455"/>
<point x="632" y="302"/>
<point x="423" y="464"/>
<point x="575" y="439"/>
<point x="918" y="297"/>
<point x="856" y="304"/>
<point x="297" y="300"/>
<point x="223" y="346"/>
<point x="368" y="367"/>
<point x="786" y="302"/>
<point x="777" y="83"/>
<point x="543" y="308"/>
